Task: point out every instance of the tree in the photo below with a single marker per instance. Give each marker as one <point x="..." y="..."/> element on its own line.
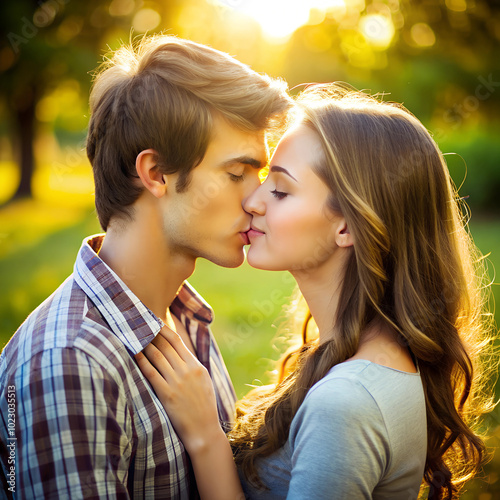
<point x="42" y="43"/>
<point x="446" y="49"/>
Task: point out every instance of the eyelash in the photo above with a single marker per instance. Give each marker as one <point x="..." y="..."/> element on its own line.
<point x="236" y="178"/>
<point x="279" y="194"/>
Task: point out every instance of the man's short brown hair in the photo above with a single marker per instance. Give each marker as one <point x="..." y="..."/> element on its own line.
<point x="162" y="94"/>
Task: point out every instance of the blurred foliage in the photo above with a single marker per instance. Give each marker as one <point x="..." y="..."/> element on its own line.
<point x="438" y="57"/>
<point x="47" y="49"/>
<point x="475" y="167"/>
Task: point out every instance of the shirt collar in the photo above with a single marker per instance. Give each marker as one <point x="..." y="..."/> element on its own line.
<point x="129" y="319"/>
<point x="189" y="302"/>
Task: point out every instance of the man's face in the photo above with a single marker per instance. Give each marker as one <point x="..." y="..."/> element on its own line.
<point x="207" y="220"/>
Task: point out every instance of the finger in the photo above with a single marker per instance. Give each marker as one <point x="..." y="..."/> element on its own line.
<point x="178" y="344"/>
<point x="157" y="381"/>
<point x="168" y="351"/>
<point x="160" y="362"/>
<point x="144" y="365"/>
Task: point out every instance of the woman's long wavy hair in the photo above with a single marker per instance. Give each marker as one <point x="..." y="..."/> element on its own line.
<point x="414" y="266"/>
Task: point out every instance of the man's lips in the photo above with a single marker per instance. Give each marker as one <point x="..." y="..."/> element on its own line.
<point x="244" y="235"/>
<point x="252" y="231"/>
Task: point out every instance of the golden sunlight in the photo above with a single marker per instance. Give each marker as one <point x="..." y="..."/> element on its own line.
<point x="377" y="29"/>
<point x="278" y="18"/>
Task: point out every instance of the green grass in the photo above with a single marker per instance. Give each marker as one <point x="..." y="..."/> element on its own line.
<point x="37" y="252"/>
<point x="38" y="245"/>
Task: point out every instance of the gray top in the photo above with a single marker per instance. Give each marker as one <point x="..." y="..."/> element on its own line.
<point x="360" y="433"/>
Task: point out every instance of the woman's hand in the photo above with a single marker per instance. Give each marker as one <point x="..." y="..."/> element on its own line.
<point x="184" y="387"/>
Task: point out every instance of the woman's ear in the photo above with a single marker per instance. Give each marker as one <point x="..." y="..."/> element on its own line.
<point x="151" y="178"/>
<point x="343" y="237"/>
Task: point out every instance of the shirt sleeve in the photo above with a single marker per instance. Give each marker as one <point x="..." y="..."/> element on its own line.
<point x="338" y="443"/>
<point x="74" y="429"/>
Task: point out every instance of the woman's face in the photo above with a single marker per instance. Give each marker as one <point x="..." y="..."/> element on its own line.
<point x="292" y="228"/>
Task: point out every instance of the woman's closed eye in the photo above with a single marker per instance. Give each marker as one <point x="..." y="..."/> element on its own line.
<point x="279" y="194"/>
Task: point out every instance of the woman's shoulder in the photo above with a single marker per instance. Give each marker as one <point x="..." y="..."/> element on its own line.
<point x="362" y="396"/>
<point x="361" y="385"/>
<point x="367" y="373"/>
<point x="339" y="407"/>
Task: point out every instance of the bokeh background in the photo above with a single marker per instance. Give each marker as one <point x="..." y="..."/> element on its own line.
<point x="441" y="58"/>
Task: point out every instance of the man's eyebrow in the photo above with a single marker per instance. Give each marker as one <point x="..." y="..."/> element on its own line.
<point x="245" y="160"/>
<point x="277" y="168"/>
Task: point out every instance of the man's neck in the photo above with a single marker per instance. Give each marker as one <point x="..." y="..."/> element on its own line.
<point x="138" y="253"/>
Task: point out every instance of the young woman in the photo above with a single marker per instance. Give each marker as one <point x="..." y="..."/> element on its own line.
<point x="359" y="207"/>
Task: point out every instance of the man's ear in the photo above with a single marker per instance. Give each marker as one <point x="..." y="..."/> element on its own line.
<point x="151" y="178"/>
<point x="343" y="237"/>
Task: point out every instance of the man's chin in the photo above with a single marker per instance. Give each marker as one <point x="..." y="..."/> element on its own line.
<point x="229" y="261"/>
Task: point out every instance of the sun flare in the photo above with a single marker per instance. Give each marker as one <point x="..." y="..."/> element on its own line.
<point x="280" y="18"/>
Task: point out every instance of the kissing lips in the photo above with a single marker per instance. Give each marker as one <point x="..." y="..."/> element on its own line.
<point x="244" y="236"/>
<point x="253" y="232"/>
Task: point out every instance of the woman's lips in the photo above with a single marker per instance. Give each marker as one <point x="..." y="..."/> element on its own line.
<point x="253" y="233"/>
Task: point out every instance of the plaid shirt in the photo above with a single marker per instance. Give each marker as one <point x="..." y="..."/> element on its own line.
<point x="78" y="418"/>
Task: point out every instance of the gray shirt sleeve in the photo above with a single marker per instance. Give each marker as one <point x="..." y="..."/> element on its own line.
<point x="339" y="443"/>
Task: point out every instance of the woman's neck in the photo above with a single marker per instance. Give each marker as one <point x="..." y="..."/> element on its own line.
<point x="379" y="342"/>
<point x="321" y="288"/>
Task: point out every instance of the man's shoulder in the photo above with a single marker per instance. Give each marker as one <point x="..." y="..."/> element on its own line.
<point x="66" y="319"/>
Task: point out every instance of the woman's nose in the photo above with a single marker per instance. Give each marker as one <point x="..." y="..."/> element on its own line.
<point x="254" y="202"/>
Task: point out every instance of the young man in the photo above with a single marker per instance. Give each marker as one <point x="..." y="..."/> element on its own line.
<point x="176" y="141"/>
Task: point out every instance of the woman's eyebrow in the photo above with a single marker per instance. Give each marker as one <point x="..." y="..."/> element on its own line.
<point x="277" y="168"/>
